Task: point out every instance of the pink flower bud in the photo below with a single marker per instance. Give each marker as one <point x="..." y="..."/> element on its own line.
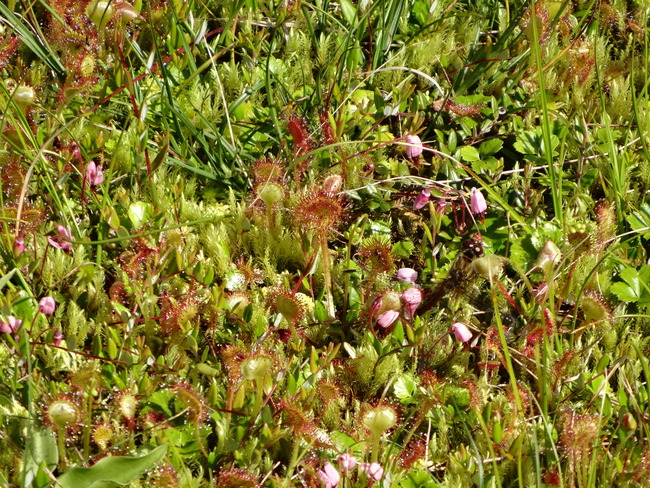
<point x="461" y="332"/>
<point x="386" y="319"/>
<point x="63" y="239"/>
<point x="347" y="462"/>
<point x="11" y="325"/>
<point x="19" y="246"/>
<point x="407" y="275"/>
<point x="411" y="298"/>
<point x="374" y="471"/>
<point x="477" y="202"/>
<point x="414" y="147"/>
<point x="329" y="475"/>
<point x="47" y="305"/>
<point x="57" y="338"/>
<point x="422" y="199"/>
<point x="94" y="174"/>
<point x="441" y="206"/>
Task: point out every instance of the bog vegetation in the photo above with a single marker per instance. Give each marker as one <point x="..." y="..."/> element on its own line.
<point x="391" y="243"/>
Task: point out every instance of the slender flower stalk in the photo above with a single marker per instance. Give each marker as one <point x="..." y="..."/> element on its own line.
<point x="327" y="275"/>
<point x="321" y="212"/>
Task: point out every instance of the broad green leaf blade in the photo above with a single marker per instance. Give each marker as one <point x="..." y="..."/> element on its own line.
<point x="623" y="292"/>
<point x="40" y="451"/>
<point x="6" y="278"/>
<point x="490" y="147"/>
<point x="469" y="153"/>
<point x="140" y="213"/>
<point x="640" y="220"/>
<point x="111" y="471"/>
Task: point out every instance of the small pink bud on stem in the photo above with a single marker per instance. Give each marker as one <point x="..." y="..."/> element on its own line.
<point x="461" y="332"/>
<point x="47" y="305"/>
<point x="414" y="146"/>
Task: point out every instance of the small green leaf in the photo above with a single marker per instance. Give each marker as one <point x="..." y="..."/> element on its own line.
<point x="490" y="147"/>
<point x="624" y="292"/>
<point x="348" y="11"/>
<point x="40" y="451"/>
<point x="640" y="220"/>
<point x="403" y="249"/>
<point x="111" y="471"/>
<point x="140" y="213"/>
<point x="631" y="277"/>
<point x="589" y="177"/>
<point x="319" y="312"/>
<point x="7" y="278"/>
<point x="469" y="153"/>
<point x="405" y="387"/>
<point x="418" y="479"/>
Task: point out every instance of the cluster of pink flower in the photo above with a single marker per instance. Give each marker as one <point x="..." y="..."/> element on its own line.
<point x="330" y="476"/>
<point x="411" y="298"/>
<point x="46" y="306"/>
<point x="414" y="149"/>
<point x="477" y="203"/>
<point x="94" y="174"/>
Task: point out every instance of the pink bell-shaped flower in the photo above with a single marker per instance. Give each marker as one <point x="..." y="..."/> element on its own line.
<point x="407" y="275"/>
<point x="94" y="174"/>
<point x="414" y="146"/>
<point x="19" y="246"/>
<point x="47" y="305"/>
<point x="11" y="325"/>
<point x="329" y="476"/>
<point x="477" y="202"/>
<point x="422" y="199"/>
<point x="387" y="318"/>
<point x="57" y="338"/>
<point x="347" y="462"/>
<point x="411" y="298"/>
<point x="461" y="332"/>
<point x="441" y="206"/>
<point x="374" y="471"/>
<point x="63" y="239"/>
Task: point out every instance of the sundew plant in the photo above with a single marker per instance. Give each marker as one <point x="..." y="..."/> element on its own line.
<point x="382" y="243"/>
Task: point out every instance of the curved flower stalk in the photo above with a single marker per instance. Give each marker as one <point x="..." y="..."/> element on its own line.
<point x="378" y="420"/>
<point x="320" y="212"/>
